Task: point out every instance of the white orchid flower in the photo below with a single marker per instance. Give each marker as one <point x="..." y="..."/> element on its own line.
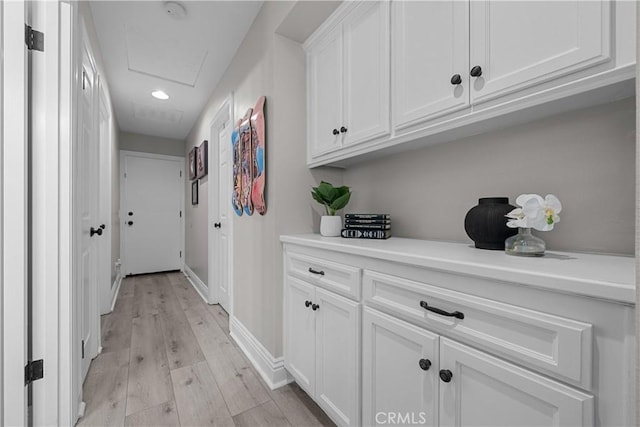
<point x="517" y="219"/>
<point x="541" y="214"/>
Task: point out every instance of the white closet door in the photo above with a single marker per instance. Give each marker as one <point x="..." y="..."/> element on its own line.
<point x="521" y="44"/>
<point x="430" y="47"/>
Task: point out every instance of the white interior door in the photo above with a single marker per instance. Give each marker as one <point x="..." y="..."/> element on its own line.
<point x="151" y="212"/>
<point x="87" y="202"/>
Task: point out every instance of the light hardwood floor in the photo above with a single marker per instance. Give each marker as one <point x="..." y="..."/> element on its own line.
<point x="168" y="360"/>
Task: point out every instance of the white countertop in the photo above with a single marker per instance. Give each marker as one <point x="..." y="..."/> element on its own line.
<point x="599" y="276"/>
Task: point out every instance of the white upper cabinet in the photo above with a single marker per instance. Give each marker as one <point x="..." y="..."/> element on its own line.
<point x="430" y="59"/>
<point x="348" y="80"/>
<point x="515" y="45"/>
<point x="387" y="76"/>
<point x="366" y="74"/>
<point x="325" y="93"/>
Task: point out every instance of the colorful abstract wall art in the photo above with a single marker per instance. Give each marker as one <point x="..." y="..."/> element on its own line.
<point x="192" y="163"/>
<point x="202" y="160"/>
<point x="249" y="168"/>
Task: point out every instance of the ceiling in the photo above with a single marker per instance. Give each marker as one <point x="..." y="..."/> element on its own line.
<point x="146" y="47"/>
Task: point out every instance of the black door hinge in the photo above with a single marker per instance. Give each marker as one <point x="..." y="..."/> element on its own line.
<point x="34" y="39"/>
<point x="33" y="371"/>
<point x="180" y="254"/>
<point x="180" y="174"/>
<point x="180" y="214"/>
<point x="83" y="349"/>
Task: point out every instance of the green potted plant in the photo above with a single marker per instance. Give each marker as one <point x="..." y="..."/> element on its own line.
<point x="333" y="199"/>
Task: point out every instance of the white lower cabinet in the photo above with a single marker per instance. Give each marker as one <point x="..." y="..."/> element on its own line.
<point x="322" y="349"/>
<point x="408" y="332"/>
<point x="411" y="375"/>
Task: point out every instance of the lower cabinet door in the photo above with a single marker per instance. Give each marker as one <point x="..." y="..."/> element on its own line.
<point x="300" y="333"/>
<point x="338" y="357"/>
<point x="481" y="390"/>
<point x="400" y="372"/>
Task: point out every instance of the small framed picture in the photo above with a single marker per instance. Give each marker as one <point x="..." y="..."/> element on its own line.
<point x="194" y="192"/>
<point x="193" y="154"/>
<point x="202" y="160"/>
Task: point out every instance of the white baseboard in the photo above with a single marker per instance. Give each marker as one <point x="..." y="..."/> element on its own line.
<point x="197" y="284"/>
<point x="117" y="283"/>
<point x="270" y="368"/>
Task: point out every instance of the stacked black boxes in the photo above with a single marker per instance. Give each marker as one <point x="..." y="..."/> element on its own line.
<point x="367" y="226"/>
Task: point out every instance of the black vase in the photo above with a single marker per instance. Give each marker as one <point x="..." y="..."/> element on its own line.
<point x="486" y="223"/>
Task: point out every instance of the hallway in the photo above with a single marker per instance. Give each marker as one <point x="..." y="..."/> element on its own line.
<point x="168" y="359"/>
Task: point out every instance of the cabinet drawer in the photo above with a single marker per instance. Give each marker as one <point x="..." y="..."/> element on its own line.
<point x="339" y="278"/>
<point x="561" y="347"/>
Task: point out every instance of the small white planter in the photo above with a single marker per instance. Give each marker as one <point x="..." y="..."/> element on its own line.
<point x="330" y="226"/>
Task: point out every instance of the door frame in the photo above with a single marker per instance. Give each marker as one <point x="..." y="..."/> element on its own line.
<point x="14" y="214"/>
<point x="224" y="115"/>
<point x="106" y="289"/>
<point x="123" y="197"/>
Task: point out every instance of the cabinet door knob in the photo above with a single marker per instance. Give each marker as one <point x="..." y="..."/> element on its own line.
<point x="425" y="364"/>
<point x="476" y="71"/>
<point x="343" y="129"/>
<point x="446" y="375"/>
<point x="335" y="132"/>
<point x="456" y="79"/>
<point x="314" y="307"/>
<point x="129" y="223"/>
<point x="217" y="225"/>
<point x="307" y="303"/>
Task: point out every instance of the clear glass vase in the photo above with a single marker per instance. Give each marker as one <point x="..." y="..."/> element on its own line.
<point x="524" y="244"/>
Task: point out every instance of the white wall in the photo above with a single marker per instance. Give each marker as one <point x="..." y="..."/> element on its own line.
<point x="585" y="157"/>
<point x="271" y="65"/>
<point x="151" y="144"/>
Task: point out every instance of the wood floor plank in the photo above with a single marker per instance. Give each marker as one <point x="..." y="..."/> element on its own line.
<point x="127" y="287"/>
<point x="145" y="295"/>
<point x="149" y="379"/>
<point x="164" y="414"/>
<point x="236" y="379"/>
<point x="105" y="390"/>
<point x="198" y="398"/>
<point x="299" y="408"/>
<point x="116" y="329"/>
<point x="180" y="343"/>
<point x="267" y="414"/>
<point x="187" y="296"/>
<point x="221" y="316"/>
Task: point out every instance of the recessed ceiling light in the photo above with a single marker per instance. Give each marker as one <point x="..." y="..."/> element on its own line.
<point x="159" y="94"/>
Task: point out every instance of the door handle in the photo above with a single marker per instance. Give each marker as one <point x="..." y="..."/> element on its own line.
<point x="93" y="231"/>
<point x="130" y="223"/>
<point x="217" y="225"/>
<point x="456" y="314"/>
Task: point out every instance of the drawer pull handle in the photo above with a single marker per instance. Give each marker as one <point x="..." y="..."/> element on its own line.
<point x="311" y="270"/>
<point x="446" y="375"/>
<point x="307" y="303"/>
<point x="436" y="310"/>
<point x="314" y="307"/>
<point x="425" y="364"/>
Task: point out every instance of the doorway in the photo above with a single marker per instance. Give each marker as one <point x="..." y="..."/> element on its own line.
<point x="152" y="200"/>
<point x="220" y="219"/>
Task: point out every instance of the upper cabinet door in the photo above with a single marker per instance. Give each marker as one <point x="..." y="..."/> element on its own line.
<point x="325" y="93"/>
<point x="430" y="47"/>
<point x="482" y="390"/>
<point x="399" y="371"/>
<point x="520" y="44"/>
<point x="366" y="73"/>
